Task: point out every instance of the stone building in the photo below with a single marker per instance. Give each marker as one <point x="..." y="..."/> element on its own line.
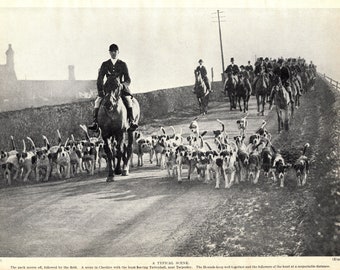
<point x="18" y="94"/>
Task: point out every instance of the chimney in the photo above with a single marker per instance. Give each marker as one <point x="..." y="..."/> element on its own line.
<point x="10" y="57"/>
<point x="71" y="76"/>
<point x="11" y="76"/>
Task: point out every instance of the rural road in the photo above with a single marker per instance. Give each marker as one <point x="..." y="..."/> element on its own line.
<point x="143" y="214"/>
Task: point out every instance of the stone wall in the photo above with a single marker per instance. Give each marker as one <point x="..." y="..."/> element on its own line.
<point x="35" y="122"/>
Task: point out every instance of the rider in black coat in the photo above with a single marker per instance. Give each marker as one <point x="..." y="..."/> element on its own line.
<point x="112" y="69"/>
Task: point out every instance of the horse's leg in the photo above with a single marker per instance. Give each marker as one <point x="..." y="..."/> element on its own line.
<point x="120" y="152"/>
<point x="248" y="97"/>
<point x="109" y="155"/>
<point x="263" y="103"/>
<point x="231" y="101"/>
<point x="286" y="124"/>
<point x="128" y="152"/>
<point x="278" y="120"/>
<point x="258" y="102"/>
<point x="239" y="103"/>
<point x="206" y="103"/>
<point x="199" y="104"/>
<point x="292" y="109"/>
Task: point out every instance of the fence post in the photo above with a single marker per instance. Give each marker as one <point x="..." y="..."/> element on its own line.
<point x="337" y="85"/>
<point x="324" y="75"/>
<point x="331" y="80"/>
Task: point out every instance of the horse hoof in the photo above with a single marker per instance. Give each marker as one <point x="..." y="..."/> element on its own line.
<point x="110" y="179"/>
<point x="125" y="173"/>
<point x="118" y="172"/>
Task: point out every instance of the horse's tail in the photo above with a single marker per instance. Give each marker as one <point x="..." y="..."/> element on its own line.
<point x="305" y="148"/>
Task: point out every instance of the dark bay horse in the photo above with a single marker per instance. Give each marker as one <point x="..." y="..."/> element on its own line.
<point x="202" y="93"/>
<point x="308" y="79"/>
<point x="261" y="91"/>
<point x="112" y="120"/>
<point x="243" y="91"/>
<point x="297" y="89"/>
<point x="283" y="106"/>
<point x="230" y="89"/>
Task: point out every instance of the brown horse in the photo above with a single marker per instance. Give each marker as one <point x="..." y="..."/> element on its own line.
<point x="230" y="89"/>
<point x="202" y="93"/>
<point x="283" y="106"/>
<point x="112" y="120"/>
<point x="261" y="91"/>
<point x="243" y="90"/>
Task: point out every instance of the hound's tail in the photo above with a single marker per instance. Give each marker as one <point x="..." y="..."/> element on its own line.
<point x="218" y="120"/>
<point x="83" y="127"/>
<point x="305" y="148"/>
<point x="207" y="144"/>
<point x="32" y="143"/>
<point x="203" y="133"/>
<point x="173" y="129"/>
<point x="59" y="137"/>
<point x="13" y="143"/>
<point x="47" y="143"/>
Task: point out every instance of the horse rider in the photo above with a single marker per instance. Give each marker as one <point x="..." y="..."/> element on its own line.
<point x="244" y="72"/>
<point x="204" y="74"/>
<point x="260" y="69"/>
<point x="249" y="67"/>
<point x="232" y="69"/>
<point x="112" y="69"/>
<point x="268" y="65"/>
<point x="284" y="73"/>
<point x="312" y="68"/>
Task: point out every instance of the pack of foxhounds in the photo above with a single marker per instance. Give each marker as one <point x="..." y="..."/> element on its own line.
<point x="212" y="157"/>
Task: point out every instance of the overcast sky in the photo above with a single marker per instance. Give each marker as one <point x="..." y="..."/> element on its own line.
<point x="162" y="46"/>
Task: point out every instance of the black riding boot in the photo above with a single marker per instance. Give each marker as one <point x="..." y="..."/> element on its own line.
<point x="133" y="125"/>
<point x="290" y="97"/>
<point x="94" y="125"/>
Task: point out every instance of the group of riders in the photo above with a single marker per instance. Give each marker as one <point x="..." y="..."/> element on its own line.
<point x="114" y="72"/>
<point x="283" y="70"/>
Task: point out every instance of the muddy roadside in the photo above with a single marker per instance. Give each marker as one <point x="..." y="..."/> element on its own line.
<point x="270" y="221"/>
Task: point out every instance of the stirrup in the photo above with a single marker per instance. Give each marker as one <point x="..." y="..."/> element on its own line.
<point x="133" y="126"/>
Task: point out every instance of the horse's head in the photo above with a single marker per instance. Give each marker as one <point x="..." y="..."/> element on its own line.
<point x="198" y="76"/>
<point x="113" y="90"/>
<point x="276" y="80"/>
